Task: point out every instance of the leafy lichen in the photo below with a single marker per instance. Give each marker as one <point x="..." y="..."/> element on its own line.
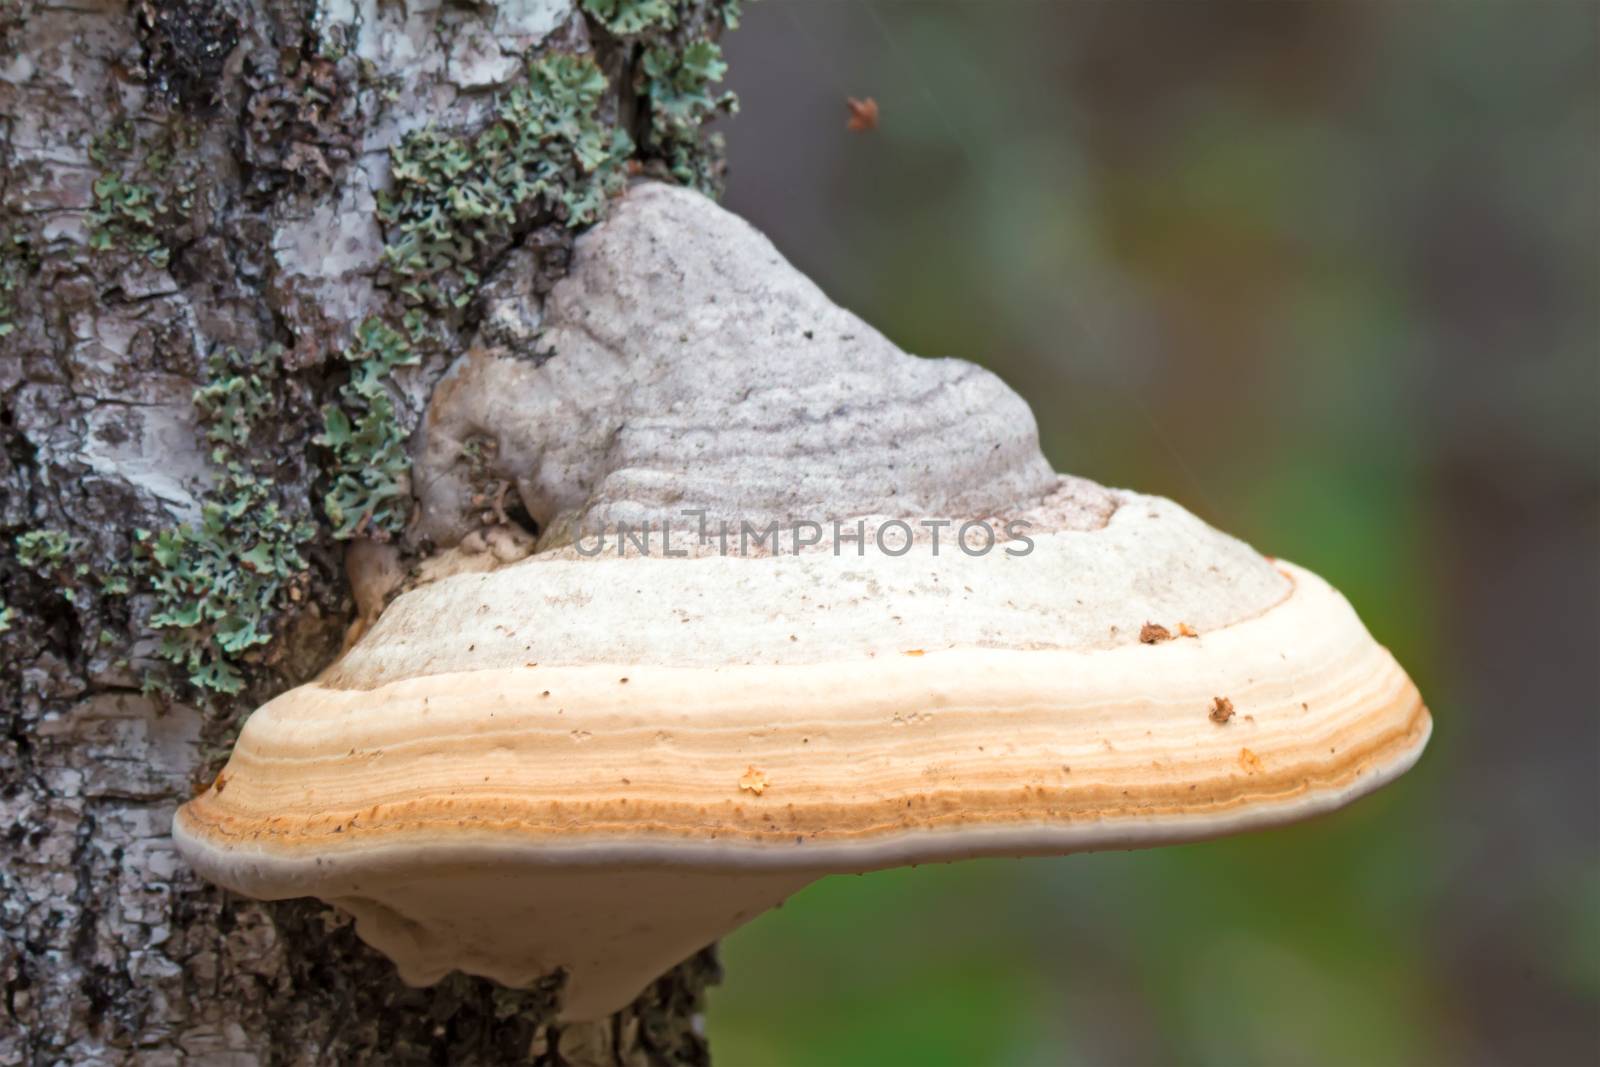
<point x="45" y="551"/>
<point x="62" y="565"/>
<point x="220" y="584"/>
<point x="459" y="200"/>
<point x="626" y="18"/>
<point x="371" y="474"/>
<point x="139" y="195"/>
<point x="680" y="84"/>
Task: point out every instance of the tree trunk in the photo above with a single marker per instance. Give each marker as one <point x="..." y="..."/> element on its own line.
<point x="239" y="242"/>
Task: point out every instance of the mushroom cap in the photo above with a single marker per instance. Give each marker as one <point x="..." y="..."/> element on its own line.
<point x="596" y="761"/>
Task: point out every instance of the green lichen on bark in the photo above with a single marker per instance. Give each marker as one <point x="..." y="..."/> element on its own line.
<point x="145" y="189"/>
<point x="680" y="85"/>
<point x="371" y="494"/>
<point x="221" y="584"/>
<point x="459" y="200"/>
<point x="676" y="76"/>
<point x="44" y="550"/>
<point x="626" y="18"/>
<point x="63" y="560"/>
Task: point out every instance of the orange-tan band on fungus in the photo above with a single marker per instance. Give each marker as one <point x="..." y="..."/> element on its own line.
<point x="847" y="755"/>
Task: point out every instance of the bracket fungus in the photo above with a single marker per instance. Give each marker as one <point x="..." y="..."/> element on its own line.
<point x="601" y="756"/>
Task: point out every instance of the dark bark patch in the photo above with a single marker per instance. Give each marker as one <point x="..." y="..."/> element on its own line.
<point x="300" y="127"/>
<point x="186" y="44"/>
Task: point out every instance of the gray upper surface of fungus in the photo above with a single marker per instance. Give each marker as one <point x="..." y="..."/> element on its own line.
<point x="685" y="365"/>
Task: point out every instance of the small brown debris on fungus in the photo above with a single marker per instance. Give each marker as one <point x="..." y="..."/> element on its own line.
<point x="1153" y="633"/>
<point x="1185" y="630"/>
<point x="753" y="781"/>
<point x="1221" y="710"/>
<point x="863" y="115"/>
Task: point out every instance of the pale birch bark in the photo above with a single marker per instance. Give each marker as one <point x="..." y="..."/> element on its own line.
<point x="263" y="128"/>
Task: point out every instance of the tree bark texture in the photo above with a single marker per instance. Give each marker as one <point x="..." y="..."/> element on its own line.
<point x="239" y="243"/>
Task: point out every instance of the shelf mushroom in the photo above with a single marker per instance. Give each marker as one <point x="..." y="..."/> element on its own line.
<point x="800" y="604"/>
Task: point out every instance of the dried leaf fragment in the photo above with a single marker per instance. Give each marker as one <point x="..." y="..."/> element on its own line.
<point x="1221" y="710"/>
<point x="863" y="115"/>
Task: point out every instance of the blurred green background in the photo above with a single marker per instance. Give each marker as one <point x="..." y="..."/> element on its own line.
<point x="1327" y="274"/>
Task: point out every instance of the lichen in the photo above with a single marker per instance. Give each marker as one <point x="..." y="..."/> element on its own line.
<point x="44" y="551"/>
<point x="53" y="555"/>
<point x="680" y="85"/>
<point x="221" y="583"/>
<point x="371" y="491"/>
<point x="460" y="200"/>
<point x="626" y="18"/>
<point x="62" y="560"/>
<point x="140" y="193"/>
